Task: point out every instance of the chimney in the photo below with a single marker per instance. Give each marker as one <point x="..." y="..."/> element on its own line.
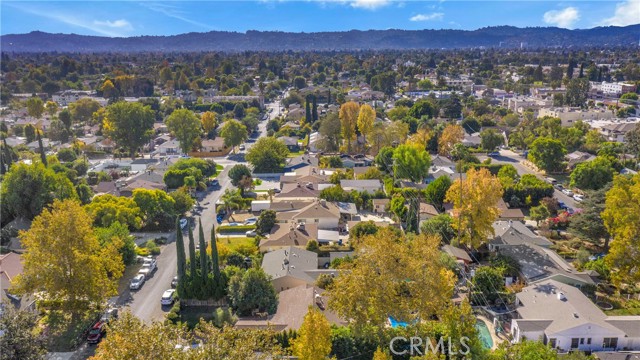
<point x="561" y="296"/>
<point x="323" y="202"/>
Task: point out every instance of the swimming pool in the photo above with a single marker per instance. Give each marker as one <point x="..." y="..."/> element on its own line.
<point x="395" y="323"/>
<point x="484" y="335"/>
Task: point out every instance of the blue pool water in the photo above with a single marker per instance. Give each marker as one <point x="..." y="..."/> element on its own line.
<point x="395" y="323"/>
<point x="484" y="334"/>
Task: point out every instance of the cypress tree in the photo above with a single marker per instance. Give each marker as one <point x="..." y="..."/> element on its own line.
<point x="192" y="254"/>
<point x="329" y="97"/>
<point x="204" y="266"/>
<point x="8" y="151"/>
<point x="214" y="256"/>
<point x="180" y="252"/>
<point x="43" y="156"/>
<point x="412" y="216"/>
<point x="307" y="117"/>
<point x="581" y="75"/>
<point x="314" y="109"/>
<point x="2" y="156"/>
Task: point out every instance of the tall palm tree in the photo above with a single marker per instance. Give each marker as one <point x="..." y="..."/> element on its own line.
<point x="231" y="200"/>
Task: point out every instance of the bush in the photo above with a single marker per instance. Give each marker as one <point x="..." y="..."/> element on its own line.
<point x="141" y="251"/>
<point x="152" y="247"/>
<point x="225" y="229"/>
<point x="173" y="316"/>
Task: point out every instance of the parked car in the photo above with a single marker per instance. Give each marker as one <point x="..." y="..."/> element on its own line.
<point x="251" y="233"/>
<point x="97" y="332"/>
<point x="234" y="224"/>
<point x="215" y="183"/>
<point x="578" y="197"/>
<point x="183" y="223"/>
<point x="567" y="192"/>
<point x="276" y="190"/>
<point x="136" y="282"/>
<point x="551" y="180"/>
<point x="168" y="297"/>
<point x="493" y="154"/>
<point x="110" y="314"/>
<point x="562" y="205"/>
<point x="251" y="221"/>
<point x="174" y="282"/>
<point x="148" y="267"/>
<point x="241" y="147"/>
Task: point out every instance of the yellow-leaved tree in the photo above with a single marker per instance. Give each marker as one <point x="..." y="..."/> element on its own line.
<point x="366" y="117"/>
<point x="475" y="206"/>
<point x="130" y="338"/>
<point x="208" y="121"/>
<point x="64" y="261"/>
<point x="314" y="337"/>
<point x="348" y="118"/>
<point x="421" y="138"/>
<point x="621" y="217"/>
<point x="451" y="135"/>
<point x="392" y="276"/>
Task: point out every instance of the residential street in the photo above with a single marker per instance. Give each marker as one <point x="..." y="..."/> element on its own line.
<point x="510" y="157"/>
<point x="145" y="303"/>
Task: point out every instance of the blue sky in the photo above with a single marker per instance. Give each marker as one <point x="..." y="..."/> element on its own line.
<point x="132" y="18"/>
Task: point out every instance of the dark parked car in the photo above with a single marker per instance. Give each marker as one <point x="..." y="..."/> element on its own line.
<point x="97" y="332"/>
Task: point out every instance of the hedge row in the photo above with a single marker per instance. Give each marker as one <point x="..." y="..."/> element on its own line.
<point x="225" y="229"/>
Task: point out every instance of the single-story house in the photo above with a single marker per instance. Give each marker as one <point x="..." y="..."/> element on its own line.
<point x="293" y="305"/>
<point x="291" y="142"/>
<point x="507" y="213"/>
<point x="350" y="162"/>
<point x="128" y="189"/>
<point x="289" y="235"/>
<point x="142" y="164"/>
<point x="290" y="267"/>
<point x="577" y="157"/>
<point x="457" y="253"/>
<point x="538" y="264"/>
<point x="380" y="205"/>
<point x="298" y="191"/>
<point x="324" y="214"/>
<point x="369" y="186"/>
<point x="168" y="148"/>
<point x="510" y="233"/>
<point x="427" y="211"/>
<point x="213" y="145"/>
<point x="10" y="267"/>
<point x="562" y="317"/>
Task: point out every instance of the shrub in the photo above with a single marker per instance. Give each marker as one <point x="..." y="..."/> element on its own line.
<point x="141" y="251"/>
<point x="153" y="248"/>
<point x="225" y="229"/>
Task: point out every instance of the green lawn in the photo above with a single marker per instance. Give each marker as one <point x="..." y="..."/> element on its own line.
<point x="219" y="167"/>
<point x="234" y="242"/>
<point x="294" y="154"/>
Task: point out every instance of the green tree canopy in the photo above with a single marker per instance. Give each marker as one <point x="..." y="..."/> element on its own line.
<point x="186" y="127"/>
<point x="233" y="132"/>
<point x="548" y="154"/>
<point x="157" y="208"/>
<point x="27" y="189"/>
<point x="130" y="125"/>
<point x="107" y="209"/>
<point x="250" y="290"/>
<point x="411" y="162"/>
<point x="267" y="155"/>
<point x="592" y="175"/>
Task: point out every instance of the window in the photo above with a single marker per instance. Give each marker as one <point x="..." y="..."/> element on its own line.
<point x="588" y="341"/>
<point x="574" y="343"/>
<point x="552" y="343"/>
<point x="581" y="341"/>
<point x="610" y="343"/>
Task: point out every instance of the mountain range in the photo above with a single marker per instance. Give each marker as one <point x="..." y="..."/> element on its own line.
<point x="499" y="36"/>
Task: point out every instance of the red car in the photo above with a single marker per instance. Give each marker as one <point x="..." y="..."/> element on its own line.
<point x="97" y="332"/>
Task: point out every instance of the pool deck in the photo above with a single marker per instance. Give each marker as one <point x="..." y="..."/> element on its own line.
<point x="492" y="330"/>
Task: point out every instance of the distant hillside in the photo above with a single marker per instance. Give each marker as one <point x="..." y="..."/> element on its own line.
<point x="505" y="36"/>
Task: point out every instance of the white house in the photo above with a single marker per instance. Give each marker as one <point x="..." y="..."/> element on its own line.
<point x="320" y="212"/>
<point x="563" y="317"/>
<point x="369" y="186"/>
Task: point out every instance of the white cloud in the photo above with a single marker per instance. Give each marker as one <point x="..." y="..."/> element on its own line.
<point x="369" y="4"/>
<point x="562" y="18"/>
<point x="78" y="21"/>
<point x="427" y="17"/>
<point x="175" y="12"/>
<point x="627" y="13"/>
<point x="117" y="24"/>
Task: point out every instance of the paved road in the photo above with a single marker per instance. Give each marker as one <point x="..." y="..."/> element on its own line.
<point x="510" y="157"/>
<point x="145" y="303"/>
